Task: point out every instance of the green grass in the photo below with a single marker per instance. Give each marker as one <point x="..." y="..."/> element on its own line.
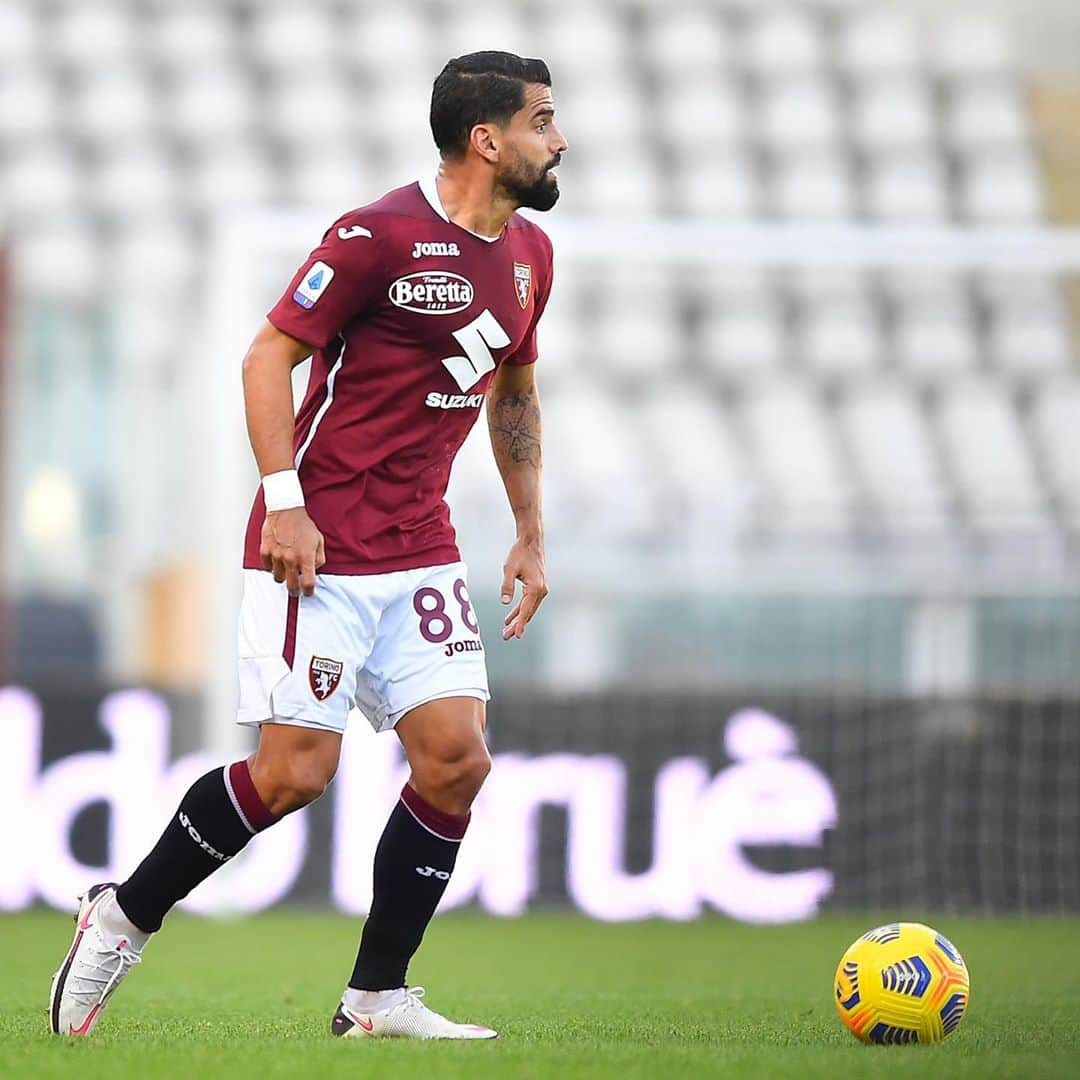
<point x="571" y="999"/>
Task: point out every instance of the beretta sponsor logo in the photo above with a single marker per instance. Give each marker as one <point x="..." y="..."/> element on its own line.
<point x="432" y="292"/>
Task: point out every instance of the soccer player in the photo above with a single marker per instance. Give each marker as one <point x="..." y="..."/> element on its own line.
<point x="417" y="310"/>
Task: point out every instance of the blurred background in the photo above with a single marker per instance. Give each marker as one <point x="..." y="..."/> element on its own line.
<point x="812" y="424"/>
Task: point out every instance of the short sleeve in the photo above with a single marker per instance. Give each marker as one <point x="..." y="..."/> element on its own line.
<point x="340" y="280"/>
<point x="526" y="352"/>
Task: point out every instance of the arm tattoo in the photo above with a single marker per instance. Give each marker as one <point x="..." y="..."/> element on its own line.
<point x="514" y="421"/>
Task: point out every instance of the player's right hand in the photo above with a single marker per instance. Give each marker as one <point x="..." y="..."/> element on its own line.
<point x="293" y="549"/>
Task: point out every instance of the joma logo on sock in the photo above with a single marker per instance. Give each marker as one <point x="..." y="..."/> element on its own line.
<point x="195" y="835"/>
<point x="430" y="871"/>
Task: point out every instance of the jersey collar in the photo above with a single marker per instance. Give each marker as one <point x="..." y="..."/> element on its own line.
<point x="431" y="192"/>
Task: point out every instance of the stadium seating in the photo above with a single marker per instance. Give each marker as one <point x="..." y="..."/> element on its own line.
<point x="891" y="441"/>
<point x="820" y="402"/>
<point x="1056" y="421"/>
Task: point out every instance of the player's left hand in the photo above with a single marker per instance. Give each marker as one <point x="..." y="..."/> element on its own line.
<point x="525" y="563"/>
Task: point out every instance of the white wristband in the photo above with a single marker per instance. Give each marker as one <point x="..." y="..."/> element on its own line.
<point x="282" y="490"/>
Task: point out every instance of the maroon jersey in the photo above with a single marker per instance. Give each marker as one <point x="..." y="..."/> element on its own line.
<point x="409" y="316"/>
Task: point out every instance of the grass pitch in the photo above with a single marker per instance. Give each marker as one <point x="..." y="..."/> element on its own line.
<point x="571" y="998"/>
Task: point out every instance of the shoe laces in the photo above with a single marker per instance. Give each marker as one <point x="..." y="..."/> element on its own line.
<point x="108" y="967"/>
<point x="413" y="994"/>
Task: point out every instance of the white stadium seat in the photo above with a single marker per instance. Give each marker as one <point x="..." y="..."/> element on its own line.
<point x="879" y="42"/>
<point x="142" y="180"/>
<point x="721" y="186"/>
<point x="796" y="452"/>
<point x="613" y="186"/>
<point x="1029" y="339"/>
<point x="603" y="117"/>
<point x="472" y="28"/>
<point x="915" y="286"/>
<point x="332" y="182"/>
<point x="894" y="113"/>
<point x="980" y="115"/>
<point x="783" y="40"/>
<point x="634" y="340"/>
<point x="798" y="113"/>
<point x="312" y="109"/>
<point x="210" y="105"/>
<point x="595" y="462"/>
<point x="397" y="166"/>
<point x="20" y="32"/>
<point x="934" y="337"/>
<point x="813" y="186"/>
<point x="990" y="458"/>
<point x="591" y="44"/>
<point x="909" y="187"/>
<point x="29" y="105"/>
<point x="1055" y="422"/>
<point x="154" y="257"/>
<point x="971" y="45"/>
<point x="686" y="42"/>
<point x="693" y="449"/>
<point x="183" y="36"/>
<point x="394" y="43"/>
<point x="1002" y="188"/>
<point x="94" y="36"/>
<point x="743" y="339"/>
<point x="41" y="180"/>
<point x="147" y="352"/>
<point x="1028" y="331"/>
<point x="894" y="456"/>
<point x="701" y="116"/>
<point x="397" y="113"/>
<point x="559" y="340"/>
<point x="839" y="335"/>
<point x="632" y="285"/>
<point x="286" y="36"/>
<point x="60" y="258"/>
<point x="475" y="492"/>
<point x="115" y="106"/>
<point x="231" y="177"/>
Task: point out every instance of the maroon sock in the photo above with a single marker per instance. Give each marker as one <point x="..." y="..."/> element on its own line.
<point x="219" y="814"/>
<point x="413" y="863"/>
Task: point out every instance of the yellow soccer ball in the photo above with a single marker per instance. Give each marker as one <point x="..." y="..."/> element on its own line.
<point x="902" y="983"/>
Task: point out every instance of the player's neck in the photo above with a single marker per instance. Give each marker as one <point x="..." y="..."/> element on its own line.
<point x="469" y="201"/>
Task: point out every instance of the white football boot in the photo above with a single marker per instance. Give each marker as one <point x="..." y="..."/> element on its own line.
<point x="399" y="1014"/>
<point x="102" y="953"/>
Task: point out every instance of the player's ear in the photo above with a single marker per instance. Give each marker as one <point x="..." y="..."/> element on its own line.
<point x="484" y="140"/>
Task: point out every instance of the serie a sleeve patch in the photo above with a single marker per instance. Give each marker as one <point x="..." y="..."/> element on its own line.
<point x="313" y="284"/>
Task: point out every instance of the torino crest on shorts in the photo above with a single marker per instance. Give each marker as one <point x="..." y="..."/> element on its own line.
<point x="324" y="676"/>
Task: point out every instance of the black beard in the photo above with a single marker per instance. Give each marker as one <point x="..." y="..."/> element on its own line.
<point x="541" y="194"/>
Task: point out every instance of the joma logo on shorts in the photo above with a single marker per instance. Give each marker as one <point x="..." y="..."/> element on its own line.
<point x="435" y="400"/>
<point x="430" y="871"/>
<point x="185" y="821"/>
<point x="463" y="646"/>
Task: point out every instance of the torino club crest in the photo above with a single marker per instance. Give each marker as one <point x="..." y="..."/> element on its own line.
<point x="324" y="676"/>
<point x="523" y="283"/>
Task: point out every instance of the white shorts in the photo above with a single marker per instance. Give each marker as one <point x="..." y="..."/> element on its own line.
<point x="383" y="642"/>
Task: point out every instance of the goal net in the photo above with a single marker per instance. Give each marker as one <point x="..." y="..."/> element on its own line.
<point x="834" y="464"/>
